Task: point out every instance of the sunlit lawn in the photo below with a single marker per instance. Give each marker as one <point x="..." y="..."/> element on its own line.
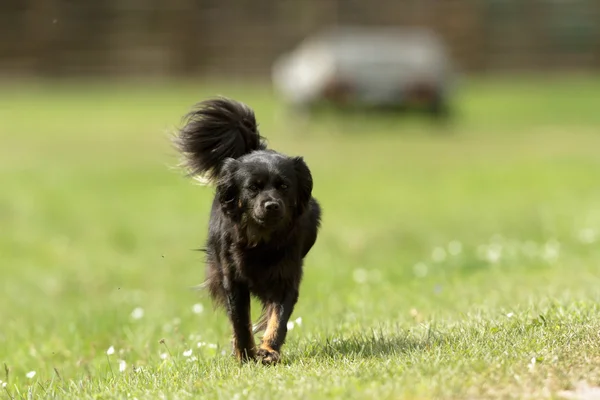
<point x="454" y="263"/>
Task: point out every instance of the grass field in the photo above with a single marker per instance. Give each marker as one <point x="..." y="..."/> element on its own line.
<point x="454" y="264"/>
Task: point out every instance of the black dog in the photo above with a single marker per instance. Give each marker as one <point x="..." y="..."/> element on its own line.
<point x="263" y="221"/>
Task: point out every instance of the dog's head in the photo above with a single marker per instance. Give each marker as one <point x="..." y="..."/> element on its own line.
<point x="265" y="189"/>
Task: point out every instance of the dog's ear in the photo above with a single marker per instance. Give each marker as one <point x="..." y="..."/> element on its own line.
<point x="227" y="189"/>
<point x="305" y="185"/>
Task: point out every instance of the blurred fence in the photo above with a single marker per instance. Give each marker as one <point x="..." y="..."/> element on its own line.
<point x="192" y="37"/>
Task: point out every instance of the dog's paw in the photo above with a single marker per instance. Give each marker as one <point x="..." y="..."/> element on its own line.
<point x="268" y="356"/>
<point x="244" y="356"/>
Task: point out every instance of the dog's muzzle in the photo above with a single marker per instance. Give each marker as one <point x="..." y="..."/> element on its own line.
<point x="270" y="212"/>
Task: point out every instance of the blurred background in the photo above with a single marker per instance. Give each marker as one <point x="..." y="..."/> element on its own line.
<point x="97" y="224"/>
<point x="59" y="38"/>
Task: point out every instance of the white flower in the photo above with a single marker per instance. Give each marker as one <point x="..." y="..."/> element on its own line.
<point x="299" y="321"/>
<point x="164" y="356"/>
<point x="110" y="351"/>
<point x="454" y="248"/>
<point x="531" y="365"/>
<point x="420" y="270"/>
<point x="122" y="365"/>
<point x="493" y="256"/>
<point x="587" y="235"/>
<point x="212" y="346"/>
<point x="187" y="353"/>
<point x="360" y="275"/>
<point x="493" y="253"/>
<point x="201" y="344"/>
<point x="290" y="325"/>
<point x="438" y="254"/>
<point x="551" y="251"/>
<point x="30" y="374"/>
<point x="192" y="359"/>
<point x="198" y="308"/>
<point x="3" y="384"/>
<point x="137" y="313"/>
<point x="510" y="315"/>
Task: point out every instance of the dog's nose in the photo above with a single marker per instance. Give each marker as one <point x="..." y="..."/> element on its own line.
<point x="271" y="206"/>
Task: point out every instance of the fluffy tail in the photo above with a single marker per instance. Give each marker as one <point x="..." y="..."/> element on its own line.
<point x="215" y="130"/>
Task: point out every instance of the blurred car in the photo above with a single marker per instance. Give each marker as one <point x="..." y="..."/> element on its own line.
<point x="367" y="67"/>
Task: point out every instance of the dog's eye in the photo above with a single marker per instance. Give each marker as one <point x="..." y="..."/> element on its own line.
<point x="283" y="186"/>
<point x="253" y="187"/>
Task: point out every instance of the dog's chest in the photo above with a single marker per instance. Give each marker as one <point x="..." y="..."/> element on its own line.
<point x="264" y="267"/>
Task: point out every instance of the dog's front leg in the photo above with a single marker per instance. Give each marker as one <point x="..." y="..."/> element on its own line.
<point x="276" y="331"/>
<point x="238" y="310"/>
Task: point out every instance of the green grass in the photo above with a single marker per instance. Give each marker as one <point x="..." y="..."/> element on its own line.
<point x="447" y="262"/>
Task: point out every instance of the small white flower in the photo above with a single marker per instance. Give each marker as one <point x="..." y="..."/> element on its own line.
<point x="164" y="356"/>
<point x="455" y="248"/>
<point x="137" y="313"/>
<point x="420" y="270"/>
<point x="493" y="253"/>
<point x="187" y="353"/>
<point x="360" y="275"/>
<point x="212" y="346"/>
<point x="299" y="321"/>
<point x="290" y="325"/>
<point x="201" y="344"/>
<point x="438" y="254"/>
<point x="110" y="351"/>
<point x="30" y="374"/>
<point x="192" y="359"/>
<point x="551" y="251"/>
<point x="198" y="308"/>
<point x="122" y="365"/>
<point x="587" y="235"/>
<point x="510" y="315"/>
<point x="531" y="365"/>
<point x="3" y="384"/>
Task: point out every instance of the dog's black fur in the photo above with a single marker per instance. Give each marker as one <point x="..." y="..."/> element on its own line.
<point x="263" y="221"/>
